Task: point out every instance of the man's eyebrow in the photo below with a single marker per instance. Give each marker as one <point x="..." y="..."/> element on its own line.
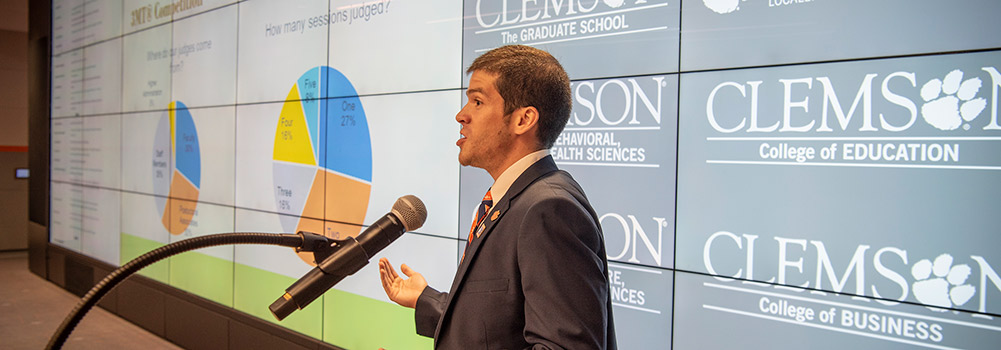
<point x="474" y="91"/>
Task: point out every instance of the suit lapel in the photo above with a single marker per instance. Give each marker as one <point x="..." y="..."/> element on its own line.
<point x="542" y="167"/>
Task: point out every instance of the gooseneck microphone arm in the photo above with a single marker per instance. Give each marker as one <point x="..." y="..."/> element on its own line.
<point x="303" y="241"/>
<point x="335" y="259"/>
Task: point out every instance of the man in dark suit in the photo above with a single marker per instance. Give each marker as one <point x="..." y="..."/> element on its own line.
<point x="534" y="273"/>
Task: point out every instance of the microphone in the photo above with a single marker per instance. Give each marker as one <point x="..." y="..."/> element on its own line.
<point x="347" y="256"/>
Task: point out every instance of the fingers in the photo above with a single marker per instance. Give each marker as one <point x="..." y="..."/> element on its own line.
<point x="400" y="290"/>
<point x="386" y="274"/>
<point x="384" y="265"/>
<point x="392" y="271"/>
<point x="387" y="285"/>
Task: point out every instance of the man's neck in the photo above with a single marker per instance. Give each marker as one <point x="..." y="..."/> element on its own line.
<point x="508" y="161"/>
<point x="504" y="181"/>
<point x="519" y="149"/>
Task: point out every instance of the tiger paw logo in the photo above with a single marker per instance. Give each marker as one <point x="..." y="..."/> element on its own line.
<point x="941" y="283"/>
<point x="950" y="102"/>
<point x="722" y="6"/>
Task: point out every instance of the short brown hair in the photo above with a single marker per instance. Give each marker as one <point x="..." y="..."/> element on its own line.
<point x="527" y="76"/>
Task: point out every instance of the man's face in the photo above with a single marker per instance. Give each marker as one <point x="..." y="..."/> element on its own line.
<point x="485" y="134"/>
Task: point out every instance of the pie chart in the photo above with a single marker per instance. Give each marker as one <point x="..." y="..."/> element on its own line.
<point x="177" y="168"/>
<point x="322" y="157"/>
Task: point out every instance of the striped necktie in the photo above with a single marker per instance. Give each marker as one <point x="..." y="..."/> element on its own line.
<point x="481" y="214"/>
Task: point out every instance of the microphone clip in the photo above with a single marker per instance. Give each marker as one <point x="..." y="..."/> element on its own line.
<point x="313" y="243"/>
<point x="349" y="258"/>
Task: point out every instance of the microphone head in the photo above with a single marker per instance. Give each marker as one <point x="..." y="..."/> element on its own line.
<point x="411" y="211"/>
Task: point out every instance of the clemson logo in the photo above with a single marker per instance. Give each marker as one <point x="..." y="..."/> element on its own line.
<point x="941" y="283"/>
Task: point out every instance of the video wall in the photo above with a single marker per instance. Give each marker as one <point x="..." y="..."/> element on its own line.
<point x="768" y="173"/>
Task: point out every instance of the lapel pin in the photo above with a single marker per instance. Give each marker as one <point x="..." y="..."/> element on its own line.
<point x="496" y="214"/>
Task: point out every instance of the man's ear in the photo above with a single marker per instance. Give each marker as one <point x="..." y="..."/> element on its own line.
<point x="525" y="120"/>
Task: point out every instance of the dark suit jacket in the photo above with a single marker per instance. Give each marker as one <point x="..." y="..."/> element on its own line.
<point x="537" y="277"/>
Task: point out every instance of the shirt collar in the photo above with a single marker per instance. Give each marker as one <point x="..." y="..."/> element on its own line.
<point x="504" y="181"/>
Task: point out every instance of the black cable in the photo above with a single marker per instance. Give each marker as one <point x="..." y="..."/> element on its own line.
<point x="101" y="288"/>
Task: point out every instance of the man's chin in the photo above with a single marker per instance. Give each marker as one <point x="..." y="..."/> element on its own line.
<point x="467" y="160"/>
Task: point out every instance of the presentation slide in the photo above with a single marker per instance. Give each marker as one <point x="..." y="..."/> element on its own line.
<point x="732" y="33"/>
<point x="784" y="173"/>
<point x="627" y="37"/>
<point x="717" y="313"/>
<point x="871" y="178"/>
